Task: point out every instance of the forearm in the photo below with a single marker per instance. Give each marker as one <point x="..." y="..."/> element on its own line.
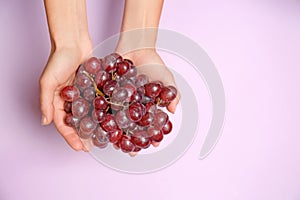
<point x="141" y="14"/>
<point x="67" y="21"/>
<point x="140" y="24"/>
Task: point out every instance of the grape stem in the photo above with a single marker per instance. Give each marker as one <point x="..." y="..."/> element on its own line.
<point x="116" y="104"/>
<point x="94" y="83"/>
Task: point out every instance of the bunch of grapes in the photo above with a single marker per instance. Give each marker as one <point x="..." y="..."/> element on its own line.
<point x="111" y="103"/>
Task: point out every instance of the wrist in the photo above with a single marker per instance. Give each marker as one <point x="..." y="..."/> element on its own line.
<point x="137" y="40"/>
<point x="81" y="47"/>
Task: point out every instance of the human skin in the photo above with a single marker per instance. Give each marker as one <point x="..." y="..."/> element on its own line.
<point x="71" y="45"/>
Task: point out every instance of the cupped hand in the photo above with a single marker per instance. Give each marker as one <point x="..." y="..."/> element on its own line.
<point x="58" y="73"/>
<point x="150" y="63"/>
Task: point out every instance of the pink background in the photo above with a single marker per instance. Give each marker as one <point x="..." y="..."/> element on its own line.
<point x="255" y="46"/>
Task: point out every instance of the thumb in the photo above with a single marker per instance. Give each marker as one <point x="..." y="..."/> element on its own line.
<point x="47" y="88"/>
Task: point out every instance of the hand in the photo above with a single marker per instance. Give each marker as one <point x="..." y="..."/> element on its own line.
<point x="58" y="73"/>
<point x="150" y="63"/>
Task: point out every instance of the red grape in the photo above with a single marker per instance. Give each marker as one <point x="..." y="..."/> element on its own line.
<point x="72" y="121"/>
<point x="67" y="107"/>
<point x="126" y="144"/>
<point x="167" y="128"/>
<point x="89" y="94"/>
<point x="80" y="108"/>
<point x="136" y="111"/>
<point x="93" y="65"/>
<point x="100" y="137"/>
<point x="82" y="81"/>
<point x="147" y="119"/>
<point x="115" y="136"/>
<point x="168" y="93"/>
<point x="122" y="119"/>
<point x="141" y="80"/>
<point x="109" y="87"/>
<point x="119" y="94"/>
<point x="87" y="125"/>
<point x="123" y="67"/>
<point x="160" y="119"/>
<point x="152" y="90"/>
<point x="108" y="123"/>
<point x="155" y="133"/>
<point x="141" y="139"/>
<point x="100" y="103"/>
<point x="101" y="78"/>
<point x="70" y="93"/>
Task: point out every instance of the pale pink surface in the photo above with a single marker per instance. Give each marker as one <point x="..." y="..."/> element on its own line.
<point x="255" y="46"/>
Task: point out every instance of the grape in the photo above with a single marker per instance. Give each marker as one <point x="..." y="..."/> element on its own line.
<point x="136" y="97"/>
<point x="115" y="136"/>
<point x="137" y="149"/>
<point x="72" y="121"/>
<point x="98" y="115"/>
<point x="123" y="67"/>
<point x="150" y="107"/>
<point x="80" y="69"/>
<point x="108" y="123"/>
<point x="119" y="94"/>
<point x="122" y="119"/>
<point x="162" y="103"/>
<point x="160" y="119"/>
<point x="141" y="90"/>
<point x="123" y="81"/>
<point x="126" y="144"/>
<point x="101" y="78"/>
<point x="70" y="93"/>
<point x="131" y="126"/>
<point x="67" y="107"/>
<point x="128" y="61"/>
<point x="152" y="90"/>
<point x="82" y="81"/>
<point x="80" y="108"/>
<point x="146" y="99"/>
<point x="159" y="83"/>
<point x="141" y="80"/>
<point x="136" y="111"/>
<point x="89" y="94"/>
<point x="132" y="72"/>
<point x="147" y="119"/>
<point x="100" y="103"/>
<point x="100" y="137"/>
<point x="109" y="87"/>
<point x="93" y="65"/>
<point x="155" y="133"/>
<point x="167" y="128"/>
<point x="110" y="61"/>
<point x="131" y="89"/>
<point x="141" y="139"/>
<point x="168" y="93"/>
<point x="87" y="125"/>
<point x="100" y="143"/>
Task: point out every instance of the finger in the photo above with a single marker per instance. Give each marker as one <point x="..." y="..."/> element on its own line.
<point x="155" y="144"/>
<point x="47" y="88"/>
<point x="69" y="134"/>
<point x="132" y="154"/>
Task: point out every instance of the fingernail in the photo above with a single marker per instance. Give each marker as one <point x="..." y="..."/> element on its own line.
<point x="44" y="120"/>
